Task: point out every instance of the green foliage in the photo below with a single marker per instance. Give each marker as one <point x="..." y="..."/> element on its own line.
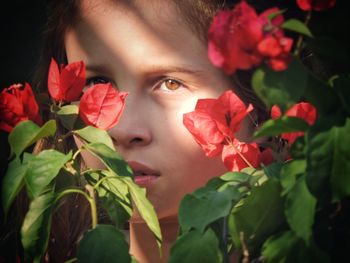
<point x="297" y="26"/>
<point x="68" y="114"/>
<point x="95" y="135"/>
<point x="26" y="133"/>
<point x="105" y="243"/>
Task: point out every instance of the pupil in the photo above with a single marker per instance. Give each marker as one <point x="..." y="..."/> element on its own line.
<point x="172" y="84"/>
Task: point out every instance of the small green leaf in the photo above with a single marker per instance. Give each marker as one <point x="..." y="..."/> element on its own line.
<point x="111" y="159"/>
<point x="195" y="246"/>
<point x="144" y="207"/>
<point x="105" y="243"/>
<point x="12" y="182"/>
<point x="206" y="205"/>
<point x="284" y="124"/>
<point x="68" y="115"/>
<point x="289" y="174"/>
<point x="297" y="26"/>
<point x="300" y="208"/>
<point x="274" y="170"/>
<point x="95" y="135"/>
<point x="26" y="133"/>
<point x="261" y="214"/>
<point x="43" y="168"/>
<point x="36" y="226"/>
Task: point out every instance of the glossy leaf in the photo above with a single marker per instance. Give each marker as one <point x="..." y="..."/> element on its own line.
<point x="26" y="133"/>
<point x="144" y="207"/>
<point x="297" y="26"/>
<point x="260" y="215"/>
<point x="12" y="182"/>
<point x="195" y="246"/>
<point x="95" y="135"/>
<point x="300" y="207"/>
<point x="282" y="125"/>
<point x="105" y="243"/>
<point x="328" y="157"/>
<point x="68" y="115"/>
<point x="110" y="158"/>
<point x="204" y="206"/>
<point x="43" y="168"/>
<point x="36" y="226"/>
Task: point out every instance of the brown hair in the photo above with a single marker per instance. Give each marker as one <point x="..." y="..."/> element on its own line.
<point x="72" y="220"/>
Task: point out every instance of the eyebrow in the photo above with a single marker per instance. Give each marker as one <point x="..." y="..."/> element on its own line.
<point x="152" y="69"/>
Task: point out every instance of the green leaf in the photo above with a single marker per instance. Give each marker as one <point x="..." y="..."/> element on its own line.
<point x="68" y="115"/>
<point x="300" y="208"/>
<point x="286" y="247"/>
<point x="297" y="26"/>
<point x="110" y="158"/>
<point x="95" y="135"/>
<point x="341" y="85"/>
<point x="328" y="156"/>
<point x="105" y="243"/>
<point x="144" y="207"/>
<point x="12" y="182"/>
<point x="26" y="133"/>
<point x="43" y="168"/>
<point x="261" y="214"/>
<point x="195" y="246"/>
<point x="289" y="173"/>
<point x="206" y="205"/>
<point x="274" y="170"/>
<point x="284" y="124"/>
<point x="116" y="212"/>
<point x="283" y="88"/>
<point x="36" y="226"/>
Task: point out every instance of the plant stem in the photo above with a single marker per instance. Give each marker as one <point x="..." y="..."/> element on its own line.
<point x="89" y="198"/>
<point x="242" y="156"/>
<point x="92" y="202"/>
<point x="301" y="37"/>
<point x="224" y="239"/>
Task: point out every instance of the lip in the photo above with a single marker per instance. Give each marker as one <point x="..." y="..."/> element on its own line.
<point x="143" y="174"/>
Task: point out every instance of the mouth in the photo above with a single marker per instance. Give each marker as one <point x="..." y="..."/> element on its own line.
<point x="143" y="174"/>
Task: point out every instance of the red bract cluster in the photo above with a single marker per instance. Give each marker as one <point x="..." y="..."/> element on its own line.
<point x="317" y="5"/>
<point x="17" y="104"/>
<point x="67" y="83"/>
<point x="303" y="110"/>
<point x="240" y="39"/>
<point x="213" y="125"/>
<point x="101" y="106"/>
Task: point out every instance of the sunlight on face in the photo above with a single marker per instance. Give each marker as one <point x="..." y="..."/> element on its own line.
<point x="146" y="49"/>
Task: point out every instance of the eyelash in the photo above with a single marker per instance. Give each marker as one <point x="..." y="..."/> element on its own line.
<point x="96" y="80"/>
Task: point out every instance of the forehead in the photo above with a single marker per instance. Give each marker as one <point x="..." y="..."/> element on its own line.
<point x="132" y="31"/>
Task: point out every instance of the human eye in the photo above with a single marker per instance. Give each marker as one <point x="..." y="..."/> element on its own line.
<point x="96" y="80"/>
<point x="169" y="85"/>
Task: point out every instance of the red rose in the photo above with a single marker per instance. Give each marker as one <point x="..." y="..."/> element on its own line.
<point x="101" y="106"/>
<point x="317" y="5"/>
<point x="17" y="104"/>
<point x="233" y="36"/>
<point x="303" y="110"/>
<point x="68" y="84"/>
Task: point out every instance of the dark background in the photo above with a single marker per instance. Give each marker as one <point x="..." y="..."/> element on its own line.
<point x="21" y="26"/>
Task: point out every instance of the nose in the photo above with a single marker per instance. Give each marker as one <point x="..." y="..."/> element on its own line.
<point x="133" y="129"/>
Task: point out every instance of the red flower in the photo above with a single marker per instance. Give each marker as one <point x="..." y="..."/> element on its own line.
<point x="303" y="110"/>
<point x="233" y="36"/>
<point x="68" y="84"/>
<point x="317" y="5"/>
<point x="101" y="106"/>
<point x="17" y="104"/>
<point x="213" y="124"/>
<point x="240" y="39"/>
<point x="239" y="155"/>
<point x="214" y="120"/>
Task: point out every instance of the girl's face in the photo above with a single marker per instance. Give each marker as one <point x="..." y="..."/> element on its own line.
<point x="145" y="48"/>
